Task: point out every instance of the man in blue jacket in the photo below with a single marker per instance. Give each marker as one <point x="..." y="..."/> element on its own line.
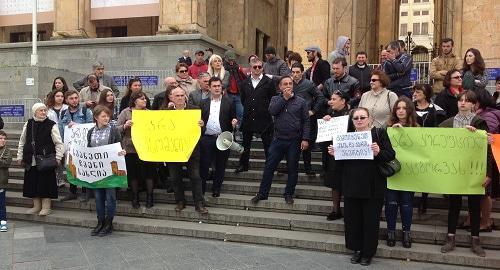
<point x="291" y="135"/>
<point x="398" y="67"/>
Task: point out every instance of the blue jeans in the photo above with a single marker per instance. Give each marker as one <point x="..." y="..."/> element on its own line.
<point x="3" y="211"/>
<point x="105" y="200"/>
<point x="402" y="200"/>
<point x="237" y="103"/>
<point x="278" y="149"/>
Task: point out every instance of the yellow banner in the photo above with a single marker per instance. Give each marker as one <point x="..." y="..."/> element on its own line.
<point x="166" y="135"/>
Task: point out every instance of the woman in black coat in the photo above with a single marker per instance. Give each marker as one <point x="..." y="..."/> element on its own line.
<point x="364" y="187"/>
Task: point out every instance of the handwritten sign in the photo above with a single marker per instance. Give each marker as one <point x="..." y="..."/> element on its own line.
<point x="96" y="167"/>
<point x="328" y="129"/>
<point x="353" y="145"/>
<point x="76" y="135"/>
<point x="439" y="160"/>
<point x="167" y="135"/>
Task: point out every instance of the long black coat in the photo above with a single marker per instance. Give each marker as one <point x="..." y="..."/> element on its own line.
<point x="255" y="102"/>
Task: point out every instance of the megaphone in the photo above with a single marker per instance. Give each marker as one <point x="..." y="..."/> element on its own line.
<point x="225" y="141"/>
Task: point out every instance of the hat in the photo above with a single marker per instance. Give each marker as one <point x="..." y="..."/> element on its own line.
<point x="230" y="55"/>
<point x="313" y="48"/>
<point x="270" y="50"/>
<point x="199" y="51"/>
<point x="210" y="50"/>
<point x="37" y="106"/>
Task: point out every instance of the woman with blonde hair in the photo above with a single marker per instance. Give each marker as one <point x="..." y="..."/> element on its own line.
<point x="216" y="69"/>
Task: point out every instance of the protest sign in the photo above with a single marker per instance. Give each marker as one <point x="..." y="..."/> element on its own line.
<point x="76" y="135"/>
<point x="353" y="145"/>
<point x="328" y="129"/>
<point x="96" y="167"/>
<point x="439" y="160"/>
<point x="166" y="135"/>
<point x="495" y="148"/>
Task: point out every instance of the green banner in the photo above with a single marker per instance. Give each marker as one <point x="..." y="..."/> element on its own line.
<point x="108" y="182"/>
<point x="439" y="160"/>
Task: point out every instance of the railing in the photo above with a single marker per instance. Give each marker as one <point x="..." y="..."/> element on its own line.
<point x="17" y="110"/>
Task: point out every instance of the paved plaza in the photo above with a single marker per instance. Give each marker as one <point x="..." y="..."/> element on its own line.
<point x="29" y="245"/>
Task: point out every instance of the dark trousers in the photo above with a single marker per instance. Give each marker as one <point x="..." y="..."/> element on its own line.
<point x="278" y="149"/>
<point x="3" y="211"/>
<point x="73" y="189"/>
<point x="306" y="154"/>
<point x="402" y="200"/>
<point x="105" y="202"/>
<point x="266" y="137"/>
<point x="454" y="208"/>
<point x="324" y="155"/>
<point x="193" y="171"/>
<point x="209" y="151"/>
<point x="362" y="222"/>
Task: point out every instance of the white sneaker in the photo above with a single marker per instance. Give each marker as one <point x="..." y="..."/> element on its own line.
<point x="3" y="226"/>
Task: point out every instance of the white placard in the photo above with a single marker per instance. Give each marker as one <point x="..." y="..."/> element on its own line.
<point x="30" y="81"/>
<point x="353" y="145"/>
<point x="328" y="129"/>
<point x="76" y="135"/>
<point x="93" y="164"/>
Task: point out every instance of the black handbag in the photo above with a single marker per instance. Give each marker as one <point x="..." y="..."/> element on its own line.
<point x="44" y="162"/>
<point x="388" y="168"/>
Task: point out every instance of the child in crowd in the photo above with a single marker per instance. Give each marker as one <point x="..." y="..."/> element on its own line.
<point x="5" y="160"/>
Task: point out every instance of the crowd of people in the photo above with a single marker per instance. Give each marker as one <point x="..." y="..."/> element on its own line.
<point x="278" y="101"/>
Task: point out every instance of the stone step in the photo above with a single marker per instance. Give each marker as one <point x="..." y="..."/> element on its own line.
<point x="259" y="164"/>
<point x="276" y="237"/>
<point x="259" y="153"/>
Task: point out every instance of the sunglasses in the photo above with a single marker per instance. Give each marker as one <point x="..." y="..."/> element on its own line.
<point x="374" y="80"/>
<point x="257" y="67"/>
<point x="457" y="77"/>
<point x="359" y="118"/>
<point x="183" y="71"/>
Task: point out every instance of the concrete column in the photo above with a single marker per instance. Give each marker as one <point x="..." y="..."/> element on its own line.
<point x="3" y="38"/>
<point x="388" y="21"/>
<point x="72" y="19"/>
<point x="181" y="16"/>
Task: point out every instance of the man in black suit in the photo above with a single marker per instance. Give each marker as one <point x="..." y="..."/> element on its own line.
<point x="219" y="114"/>
<point x="256" y="92"/>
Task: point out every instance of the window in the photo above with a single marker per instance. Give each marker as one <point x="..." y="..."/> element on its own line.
<point x="425" y="1"/>
<point x="416" y="1"/>
<point x="26" y="36"/>
<point x="416" y="29"/>
<point x="119" y="31"/>
<point x="425" y="28"/>
<point x="416" y="13"/>
<point x="404" y="1"/>
<point x="404" y="13"/>
<point x="404" y="29"/>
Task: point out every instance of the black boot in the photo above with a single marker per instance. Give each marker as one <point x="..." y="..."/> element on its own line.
<point x="98" y="228"/>
<point x="391" y="238"/>
<point x="135" y="200"/>
<point x="107" y="228"/>
<point x="406" y="239"/>
<point x="149" y="200"/>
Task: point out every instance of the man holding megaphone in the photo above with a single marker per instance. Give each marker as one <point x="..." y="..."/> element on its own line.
<point x="219" y="114"/>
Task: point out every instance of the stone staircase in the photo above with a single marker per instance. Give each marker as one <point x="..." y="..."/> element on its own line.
<point x="233" y="218"/>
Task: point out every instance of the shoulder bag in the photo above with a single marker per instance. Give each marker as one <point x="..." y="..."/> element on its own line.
<point x="44" y="162"/>
<point x="388" y="168"/>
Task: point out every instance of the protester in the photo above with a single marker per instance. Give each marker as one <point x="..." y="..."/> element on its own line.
<point x="466" y="118"/>
<point x="40" y="136"/>
<point x="398" y="67"/>
<point x="319" y="71"/>
<point x="379" y="100"/>
<point x="185" y="58"/>
<point x="55" y="104"/>
<point x="198" y="66"/>
<point x="403" y="115"/>
<point x="139" y="172"/>
<point x="60" y="84"/>
<point x="75" y="114"/>
<point x="107" y="99"/>
<point x="447" y="99"/>
<point x="219" y="114"/>
<point x="183" y="79"/>
<point x="342" y="49"/>
<point x="134" y="85"/>
<point x="104" y="79"/>
<point x="216" y="69"/>
<point x="202" y="90"/>
<point x="236" y="77"/>
<point x="314" y="100"/>
<point x="293" y="58"/>
<point x="256" y="93"/>
<point x="428" y="115"/>
<point x="474" y="75"/>
<point x="362" y="72"/>
<point x="89" y="95"/>
<point x="275" y="66"/>
<point x="5" y="162"/>
<point x="442" y="64"/>
<point x="177" y="99"/>
<point x="339" y="106"/>
<point x="169" y="83"/>
<point x="291" y="135"/>
<point x="105" y="198"/>
<point x="364" y="186"/>
<point x="342" y="81"/>
<point x="209" y="53"/>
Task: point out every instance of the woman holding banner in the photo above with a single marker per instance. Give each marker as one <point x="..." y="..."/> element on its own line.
<point x="466" y="118"/>
<point x="137" y="169"/>
<point x="364" y="186"/>
<point x="105" y="198"/>
<point x="403" y="115"/>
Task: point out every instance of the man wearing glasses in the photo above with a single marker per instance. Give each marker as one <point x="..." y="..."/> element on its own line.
<point x="256" y="92"/>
